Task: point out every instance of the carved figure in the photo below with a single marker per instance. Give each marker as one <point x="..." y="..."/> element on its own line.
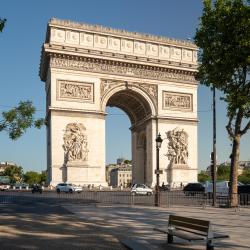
<point x="75" y="143"/>
<point x="177" y="146"/>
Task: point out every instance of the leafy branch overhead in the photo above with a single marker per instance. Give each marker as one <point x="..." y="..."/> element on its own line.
<point x="17" y="120"/>
<point x="224" y="39"/>
<point x="2" y="23"/>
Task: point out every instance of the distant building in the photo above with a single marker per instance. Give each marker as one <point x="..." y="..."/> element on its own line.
<point x="120" y="160"/>
<point x="121" y="176"/>
<point x="5" y="164"/>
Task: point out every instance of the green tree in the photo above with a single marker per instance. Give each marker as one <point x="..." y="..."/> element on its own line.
<point x="245" y="176"/>
<point x="128" y="162"/>
<point x="18" y="119"/>
<point x="223" y="172"/>
<point x="32" y="177"/>
<point x="43" y="177"/>
<point x="15" y="173"/>
<point x="224" y="39"/>
<point x="2" y="23"/>
<point x="203" y="176"/>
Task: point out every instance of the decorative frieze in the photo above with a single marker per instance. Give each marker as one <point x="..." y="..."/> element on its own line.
<point x="75" y="91"/>
<point x="177" y="146"/>
<point x="75" y="143"/>
<point x="177" y="101"/>
<point x="123" y="69"/>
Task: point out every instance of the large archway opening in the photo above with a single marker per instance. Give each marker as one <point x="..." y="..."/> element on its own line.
<point x="136" y="107"/>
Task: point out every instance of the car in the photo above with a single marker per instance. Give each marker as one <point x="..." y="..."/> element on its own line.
<point x="68" y="188"/>
<point x="244" y="193"/>
<point x="192" y="188"/>
<point x="141" y="189"/>
<point x="4" y="187"/>
<point x="164" y="188"/>
<point x="36" y="188"/>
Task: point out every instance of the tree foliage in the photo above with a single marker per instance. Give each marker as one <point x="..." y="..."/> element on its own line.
<point x="17" y="120"/>
<point x="224" y="39"/>
<point x="32" y="177"/>
<point x="2" y="23"/>
<point x="203" y="176"/>
<point x="15" y="173"/>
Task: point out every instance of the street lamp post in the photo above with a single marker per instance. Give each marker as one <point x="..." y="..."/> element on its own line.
<point x="157" y="172"/>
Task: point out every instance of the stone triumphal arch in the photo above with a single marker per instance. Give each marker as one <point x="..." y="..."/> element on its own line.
<point x="87" y="68"/>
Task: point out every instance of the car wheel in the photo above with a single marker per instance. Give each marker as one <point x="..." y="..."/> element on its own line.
<point x="71" y="191"/>
<point x="40" y="191"/>
<point x="133" y="193"/>
<point x="58" y="191"/>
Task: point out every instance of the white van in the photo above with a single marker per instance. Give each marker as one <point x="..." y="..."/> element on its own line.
<point x="222" y="188"/>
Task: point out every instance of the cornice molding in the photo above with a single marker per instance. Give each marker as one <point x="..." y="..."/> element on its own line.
<point x="120" y="32"/>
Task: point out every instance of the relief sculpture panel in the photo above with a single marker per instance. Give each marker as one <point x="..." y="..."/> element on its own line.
<point x="75" y="91"/>
<point x="177" y="146"/>
<point x="75" y="143"/>
<point x="177" y="101"/>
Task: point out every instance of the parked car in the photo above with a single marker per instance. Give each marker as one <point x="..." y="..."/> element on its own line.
<point x="141" y="189"/>
<point x="68" y="188"/>
<point x="36" y="188"/>
<point x="4" y="187"/>
<point x="192" y="188"/>
<point x="244" y="193"/>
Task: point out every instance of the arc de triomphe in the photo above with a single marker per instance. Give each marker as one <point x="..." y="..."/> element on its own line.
<point x="87" y="68"/>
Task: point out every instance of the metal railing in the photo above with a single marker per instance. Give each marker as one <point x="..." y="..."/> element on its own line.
<point x="167" y="198"/>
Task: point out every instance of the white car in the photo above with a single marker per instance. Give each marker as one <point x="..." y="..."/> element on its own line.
<point x="4" y="187"/>
<point x="68" y="188"/>
<point x="141" y="189"/>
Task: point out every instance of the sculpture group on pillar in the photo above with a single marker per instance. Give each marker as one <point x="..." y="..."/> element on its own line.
<point x="75" y="143"/>
<point x="177" y="146"/>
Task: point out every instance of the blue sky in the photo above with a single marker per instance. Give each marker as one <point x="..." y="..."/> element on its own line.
<point x="20" y="48"/>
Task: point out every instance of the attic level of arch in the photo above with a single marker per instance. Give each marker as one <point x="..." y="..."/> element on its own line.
<point x="57" y="59"/>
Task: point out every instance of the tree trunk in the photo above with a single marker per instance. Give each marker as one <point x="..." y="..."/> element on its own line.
<point x="233" y="188"/>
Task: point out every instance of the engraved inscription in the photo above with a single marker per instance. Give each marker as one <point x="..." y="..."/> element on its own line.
<point x="177" y="101"/>
<point x="79" y="91"/>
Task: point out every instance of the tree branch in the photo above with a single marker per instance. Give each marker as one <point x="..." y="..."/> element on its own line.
<point x="242" y="132"/>
<point x="229" y="126"/>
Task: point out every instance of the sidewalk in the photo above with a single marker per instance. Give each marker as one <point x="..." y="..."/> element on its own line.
<point x="137" y="222"/>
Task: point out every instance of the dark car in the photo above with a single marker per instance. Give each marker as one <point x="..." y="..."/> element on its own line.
<point x="244" y="193"/>
<point x="192" y="188"/>
<point x="164" y="188"/>
<point x="36" y="189"/>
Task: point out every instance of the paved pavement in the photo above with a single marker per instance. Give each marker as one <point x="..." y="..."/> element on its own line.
<point x="137" y="223"/>
<point x="41" y="225"/>
<point x="45" y="224"/>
